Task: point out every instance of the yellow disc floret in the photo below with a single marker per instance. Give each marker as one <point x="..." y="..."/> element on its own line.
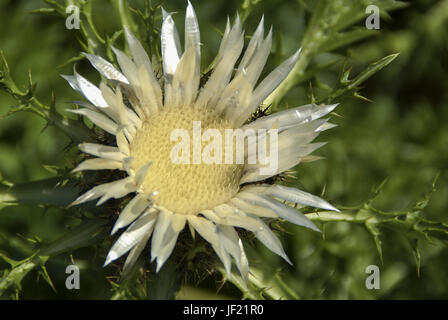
<point x="183" y="188"/>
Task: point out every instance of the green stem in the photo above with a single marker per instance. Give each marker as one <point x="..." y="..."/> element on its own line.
<point x="331" y="216"/>
<point x="16" y="275"/>
<point x="123" y="12"/>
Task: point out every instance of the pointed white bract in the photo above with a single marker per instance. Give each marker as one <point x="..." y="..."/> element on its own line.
<point x="132" y="211"/>
<point x="252" y="47"/>
<point x="102" y="151"/>
<point x="163" y="225"/>
<point x="127" y="66"/>
<point x="185" y="82"/>
<point x="192" y="36"/>
<point x="170" y="46"/>
<point x="147" y="88"/>
<point x="127" y="98"/>
<point x="167" y="247"/>
<point x="292" y="195"/>
<point x="135" y="253"/>
<point x="90" y="91"/>
<point x="257" y="62"/>
<point x="73" y="83"/>
<point x="271" y="82"/>
<point x="223" y="44"/>
<point x="116" y="189"/>
<point x="287" y="159"/>
<point x="250" y="207"/>
<point x="292" y="117"/>
<point x="208" y="231"/>
<point x="98" y="119"/>
<point x="220" y="76"/>
<point x="139" y="54"/>
<point x="132" y="236"/>
<point x="282" y="210"/>
<point x="236" y="97"/>
<point x="268" y="238"/>
<point x="232" y="244"/>
<point x="106" y="68"/>
<point x="99" y="164"/>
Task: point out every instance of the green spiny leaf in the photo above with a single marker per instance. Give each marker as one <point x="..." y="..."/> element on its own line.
<point x="374" y="231"/>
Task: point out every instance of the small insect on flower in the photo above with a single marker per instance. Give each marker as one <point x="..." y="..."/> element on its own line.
<point x="142" y="112"/>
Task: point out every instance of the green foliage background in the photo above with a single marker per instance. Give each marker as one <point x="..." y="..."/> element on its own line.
<point x="399" y="135"/>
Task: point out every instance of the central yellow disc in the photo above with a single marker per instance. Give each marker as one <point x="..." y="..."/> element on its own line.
<point x="183" y="188"/>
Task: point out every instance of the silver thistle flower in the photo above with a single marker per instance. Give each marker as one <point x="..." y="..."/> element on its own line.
<point x="210" y="198"/>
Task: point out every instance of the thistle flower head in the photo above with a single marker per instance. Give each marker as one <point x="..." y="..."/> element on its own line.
<point x="214" y="198"/>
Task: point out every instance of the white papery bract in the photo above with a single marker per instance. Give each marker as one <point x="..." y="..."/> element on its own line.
<point x="141" y="110"/>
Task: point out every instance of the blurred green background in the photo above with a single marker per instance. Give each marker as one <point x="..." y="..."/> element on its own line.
<point x="400" y="135"/>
